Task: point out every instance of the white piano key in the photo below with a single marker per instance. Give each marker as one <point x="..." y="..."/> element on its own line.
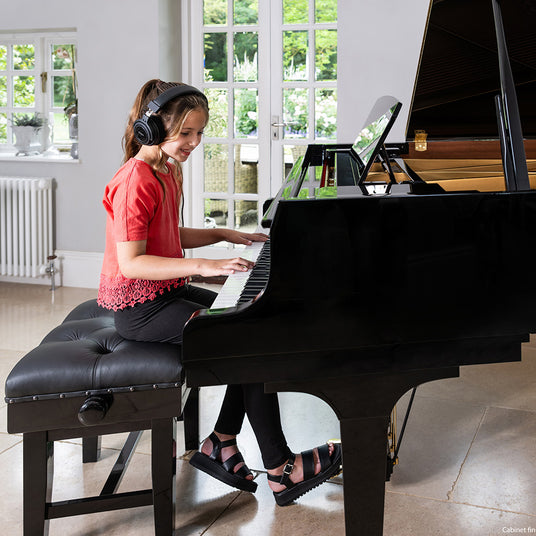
<point x="235" y="283"/>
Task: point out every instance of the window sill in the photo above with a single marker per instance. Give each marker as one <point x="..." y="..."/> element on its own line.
<point x="64" y="158"/>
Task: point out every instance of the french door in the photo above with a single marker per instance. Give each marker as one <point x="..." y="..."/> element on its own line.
<point x="269" y="70"/>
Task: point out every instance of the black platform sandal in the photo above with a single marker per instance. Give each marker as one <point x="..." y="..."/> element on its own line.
<point x="224" y="471"/>
<point x="329" y="467"/>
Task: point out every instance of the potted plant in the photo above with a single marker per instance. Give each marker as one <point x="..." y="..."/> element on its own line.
<point x="26" y="128"/>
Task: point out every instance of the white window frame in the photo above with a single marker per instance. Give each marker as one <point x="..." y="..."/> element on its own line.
<point x="270" y="84"/>
<point x="42" y="103"/>
<point x="193" y="11"/>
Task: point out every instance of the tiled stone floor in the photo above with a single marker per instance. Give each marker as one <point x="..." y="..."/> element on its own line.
<point x="467" y="462"/>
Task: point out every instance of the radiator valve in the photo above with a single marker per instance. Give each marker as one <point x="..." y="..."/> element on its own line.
<point x="51" y="271"/>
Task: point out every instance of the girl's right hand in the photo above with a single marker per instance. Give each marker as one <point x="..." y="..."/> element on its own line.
<point x="211" y="268"/>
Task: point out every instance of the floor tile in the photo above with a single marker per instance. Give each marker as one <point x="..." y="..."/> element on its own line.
<point x="407" y="515"/>
<point x="500" y="470"/>
<point x="436" y="441"/>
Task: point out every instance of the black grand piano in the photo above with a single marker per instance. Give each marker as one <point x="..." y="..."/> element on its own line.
<point x="450" y="244"/>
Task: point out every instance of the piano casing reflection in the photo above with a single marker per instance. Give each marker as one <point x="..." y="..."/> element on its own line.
<point x="370" y="295"/>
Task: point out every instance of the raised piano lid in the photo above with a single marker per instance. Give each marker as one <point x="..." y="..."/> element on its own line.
<point x="455" y="92"/>
<point x="458" y="75"/>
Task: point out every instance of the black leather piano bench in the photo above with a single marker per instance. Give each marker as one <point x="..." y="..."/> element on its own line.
<point x="84" y="381"/>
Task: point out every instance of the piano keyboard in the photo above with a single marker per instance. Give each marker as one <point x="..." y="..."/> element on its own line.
<point x="242" y="287"/>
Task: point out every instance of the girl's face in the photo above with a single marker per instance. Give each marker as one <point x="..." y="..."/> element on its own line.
<point x="189" y="137"/>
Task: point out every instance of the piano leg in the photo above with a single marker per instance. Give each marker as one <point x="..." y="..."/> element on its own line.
<point x="363" y="405"/>
<point x="364" y="468"/>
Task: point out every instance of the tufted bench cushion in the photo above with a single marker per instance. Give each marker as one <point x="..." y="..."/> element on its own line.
<point x="85" y="355"/>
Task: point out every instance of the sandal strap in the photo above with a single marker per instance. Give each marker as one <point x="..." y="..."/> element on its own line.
<point x="308" y="460"/>
<point x="228" y="443"/>
<point x="230" y="463"/>
<point x="324" y="457"/>
<point x="233" y="460"/>
<point x="284" y="479"/>
<point x="217" y="445"/>
<point x="243" y="472"/>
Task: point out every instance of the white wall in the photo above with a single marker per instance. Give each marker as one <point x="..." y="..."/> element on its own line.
<point x="378" y="52"/>
<point x="118" y="50"/>
<point x="123" y="43"/>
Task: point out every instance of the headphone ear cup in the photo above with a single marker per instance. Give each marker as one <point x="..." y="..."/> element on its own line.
<point x="149" y="130"/>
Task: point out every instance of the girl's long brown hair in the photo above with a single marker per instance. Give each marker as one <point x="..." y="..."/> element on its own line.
<point x="173" y="115"/>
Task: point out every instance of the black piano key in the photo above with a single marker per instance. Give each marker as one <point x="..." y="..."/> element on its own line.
<point x="258" y="277"/>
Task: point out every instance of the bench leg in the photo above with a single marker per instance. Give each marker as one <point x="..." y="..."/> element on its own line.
<point x="163" y="462"/>
<point x="38" y="469"/>
<point x="91" y="448"/>
<point x="190" y="417"/>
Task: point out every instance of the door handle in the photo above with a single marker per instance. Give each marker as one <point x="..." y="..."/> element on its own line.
<point x="276" y="125"/>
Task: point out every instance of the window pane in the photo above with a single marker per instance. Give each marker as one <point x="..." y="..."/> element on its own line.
<point x="60" y="129"/>
<point x="326" y="113"/>
<point x="217" y="101"/>
<point x="3" y="128"/>
<point x="245" y="169"/>
<point x="326" y="10"/>
<point x="246" y="216"/>
<point x="295" y="45"/>
<point x="326" y="54"/>
<point x="216" y="170"/>
<point x="245" y="112"/>
<point x="214" y="12"/>
<point x="245" y="56"/>
<point x="295" y="112"/>
<point x="63" y="92"/>
<point x="3" y="58"/>
<point x="62" y="56"/>
<point x="216" y="213"/>
<point x="23" y="57"/>
<point x="246" y="11"/>
<point x="23" y="91"/>
<point x="215" y="57"/>
<point x="3" y="90"/>
<point x="295" y="11"/>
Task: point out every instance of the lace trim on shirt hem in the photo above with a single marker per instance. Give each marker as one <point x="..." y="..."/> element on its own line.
<point x="118" y="293"/>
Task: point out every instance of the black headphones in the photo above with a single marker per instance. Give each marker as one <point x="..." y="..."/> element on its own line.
<point x="149" y="130"/>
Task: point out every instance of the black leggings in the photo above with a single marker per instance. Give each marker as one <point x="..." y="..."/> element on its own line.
<point x="162" y="320"/>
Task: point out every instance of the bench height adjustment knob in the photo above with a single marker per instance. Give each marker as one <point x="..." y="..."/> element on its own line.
<point x="94" y="409"/>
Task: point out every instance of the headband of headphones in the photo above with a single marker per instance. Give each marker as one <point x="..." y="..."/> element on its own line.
<point x="149" y="130"/>
<point x="171" y="93"/>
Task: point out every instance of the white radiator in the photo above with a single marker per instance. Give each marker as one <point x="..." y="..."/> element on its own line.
<point x="26" y="228"/>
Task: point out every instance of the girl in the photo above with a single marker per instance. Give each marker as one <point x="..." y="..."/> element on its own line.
<point x="145" y="281"/>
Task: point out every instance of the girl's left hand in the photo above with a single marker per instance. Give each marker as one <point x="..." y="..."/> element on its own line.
<point x="237" y="237"/>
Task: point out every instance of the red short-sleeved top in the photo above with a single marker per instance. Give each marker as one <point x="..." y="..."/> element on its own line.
<point x="139" y="209"/>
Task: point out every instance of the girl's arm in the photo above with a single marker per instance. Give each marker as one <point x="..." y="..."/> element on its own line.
<point x="194" y="238"/>
<point x="134" y="263"/>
